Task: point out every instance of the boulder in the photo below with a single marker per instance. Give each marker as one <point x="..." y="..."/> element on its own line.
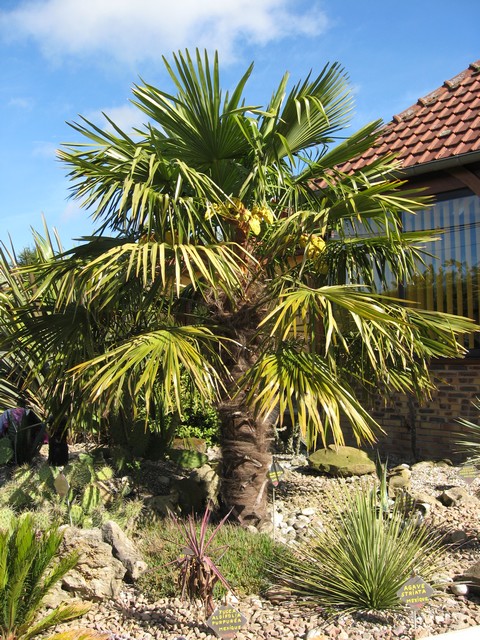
<point x="455" y="496"/>
<point x="188" y="458"/>
<point x="399" y="479"/>
<point x="341" y="461"/>
<point x="98" y="575"/>
<point x="161" y="505"/>
<point x="124" y="550"/>
<point x="209" y="481"/>
<point x="190" y="444"/>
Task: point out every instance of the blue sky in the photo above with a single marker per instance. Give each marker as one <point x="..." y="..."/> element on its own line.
<point x="62" y="58"/>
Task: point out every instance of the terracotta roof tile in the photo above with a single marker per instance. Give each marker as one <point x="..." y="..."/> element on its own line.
<point x="442" y="124"/>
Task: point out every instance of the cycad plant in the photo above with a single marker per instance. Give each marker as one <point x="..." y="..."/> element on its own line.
<point x="361" y="559"/>
<point x="28" y="572"/>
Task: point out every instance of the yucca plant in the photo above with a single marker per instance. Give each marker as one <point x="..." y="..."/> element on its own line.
<point x="28" y="572"/>
<point x="198" y="570"/>
<point x="361" y="559"/>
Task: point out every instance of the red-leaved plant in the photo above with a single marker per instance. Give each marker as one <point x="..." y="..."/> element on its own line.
<point x="198" y="572"/>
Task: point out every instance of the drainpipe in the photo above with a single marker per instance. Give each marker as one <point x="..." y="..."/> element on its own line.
<point x="412" y="417"/>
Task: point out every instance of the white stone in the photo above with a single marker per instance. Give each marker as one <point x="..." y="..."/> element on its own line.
<point x="459" y="589"/>
<point x="277" y="519"/>
<point x="301" y="518"/>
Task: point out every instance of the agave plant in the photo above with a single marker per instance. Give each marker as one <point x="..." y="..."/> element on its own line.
<point x="198" y="571"/>
<point x="361" y="559"/>
<point x="27" y="574"/>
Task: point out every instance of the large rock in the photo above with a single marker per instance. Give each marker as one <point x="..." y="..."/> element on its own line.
<point x="456" y="495"/>
<point x="188" y="458"/>
<point x="98" y="575"/>
<point x="124" y="550"/>
<point x="209" y="481"/>
<point x="399" y="480"/>
<point x="341" y="461"/>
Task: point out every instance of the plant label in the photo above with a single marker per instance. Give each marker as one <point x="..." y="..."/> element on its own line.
<point x="276" y="473"/>
<point x="468" y="472"/>
<point x="61" y="485"/>
<point x="415" y="593"/>
<point x="226" y="621"/>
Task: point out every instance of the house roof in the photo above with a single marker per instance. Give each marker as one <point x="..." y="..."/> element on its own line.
<point x="443" y="124"/>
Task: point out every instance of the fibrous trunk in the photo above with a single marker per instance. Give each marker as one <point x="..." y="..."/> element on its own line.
<point x="246" y="444"/>
<point x="245" y="440"/>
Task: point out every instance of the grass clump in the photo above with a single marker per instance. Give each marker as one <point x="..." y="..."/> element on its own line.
<point x="244" y="563"/>
<point x="362" y="557"/>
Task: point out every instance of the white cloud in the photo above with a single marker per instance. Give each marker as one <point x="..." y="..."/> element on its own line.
<point x="127" y="117"/>
<point x="44" y="150"/>
<point x="72" y="211"/>
<point x="132" y="31"/>
<point x="25" y="104"/>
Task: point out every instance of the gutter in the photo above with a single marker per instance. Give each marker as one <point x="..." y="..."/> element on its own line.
<point x="439" y="165"/>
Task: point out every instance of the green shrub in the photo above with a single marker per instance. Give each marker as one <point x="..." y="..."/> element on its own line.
<point x="362" y="558"/>
<point x="198" y="420"/>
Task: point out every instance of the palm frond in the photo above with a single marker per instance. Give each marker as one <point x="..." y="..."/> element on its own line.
<point x="303" y="385"/>
<point x="156" y="360"/>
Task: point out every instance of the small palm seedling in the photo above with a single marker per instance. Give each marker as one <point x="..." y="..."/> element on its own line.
<point x="198" y="571"/>
<point x="28" y="572"/>
<point x="362" y="558"/>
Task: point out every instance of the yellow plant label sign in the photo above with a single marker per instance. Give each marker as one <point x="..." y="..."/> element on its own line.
<point x="61" y="485"/>
<point x="415" y="593"/>
<point x="468" y="472"/>
<point x="226" y="621"/>
<point x="275" y="473"/>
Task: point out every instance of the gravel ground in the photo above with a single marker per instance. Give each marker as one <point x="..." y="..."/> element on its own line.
<point x="302" y="495"/>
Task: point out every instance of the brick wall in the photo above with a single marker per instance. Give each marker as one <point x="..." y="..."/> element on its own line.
<point x="429" y="431"/>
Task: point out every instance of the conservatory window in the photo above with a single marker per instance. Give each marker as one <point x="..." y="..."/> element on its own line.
<point x="449" y="280"/>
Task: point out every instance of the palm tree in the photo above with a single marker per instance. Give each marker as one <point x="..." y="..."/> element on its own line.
<point x="244" y="258"/>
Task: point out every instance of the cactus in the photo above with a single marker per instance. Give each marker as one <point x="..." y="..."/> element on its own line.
<point x="42" y="520"/>
<point x="6" y="451"/>
<point x="76" y="514"/>
<point x="46" y="476"/>
<point x="21" y="499"/>
<point x="7" y="519"/>
<point x="105" y="473"/>
<point x="91" y="498"/>
<point x="90" y="494"/>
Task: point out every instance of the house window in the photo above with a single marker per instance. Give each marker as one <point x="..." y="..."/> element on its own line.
<point x="449" y="280"/>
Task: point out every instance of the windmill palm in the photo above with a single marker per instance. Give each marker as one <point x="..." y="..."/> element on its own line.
<point x="253" y="264"/>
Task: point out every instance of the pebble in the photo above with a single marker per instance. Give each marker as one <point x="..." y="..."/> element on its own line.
<point x="299" y="509"/>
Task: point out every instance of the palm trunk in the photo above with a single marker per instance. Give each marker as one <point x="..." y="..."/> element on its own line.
<point x="246" y="456"/>
<point x="245" y="441"/>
